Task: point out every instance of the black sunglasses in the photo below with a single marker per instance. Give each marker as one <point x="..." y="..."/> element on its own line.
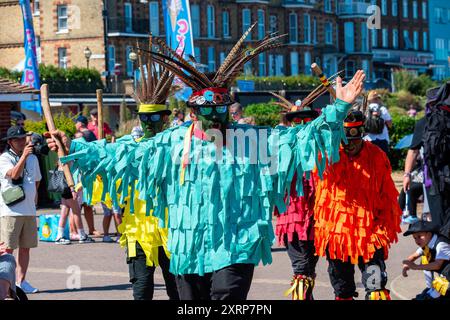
<point x="149" y="117"/>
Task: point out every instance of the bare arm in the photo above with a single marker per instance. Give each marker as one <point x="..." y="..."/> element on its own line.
<point x="388" y="124"/>
<point x="432" y="266"/>
<point x="406" y="262"/>
<point x="409" y="165"/>
<point x="17" y="171"/>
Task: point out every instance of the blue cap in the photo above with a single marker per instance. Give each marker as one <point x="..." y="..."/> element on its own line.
<point x="82" y="119"/>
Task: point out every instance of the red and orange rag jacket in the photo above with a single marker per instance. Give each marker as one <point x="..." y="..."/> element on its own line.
<point x="356" y="208"/>
<point x="299" y="217"/>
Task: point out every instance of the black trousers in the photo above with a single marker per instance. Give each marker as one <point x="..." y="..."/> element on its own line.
<point x="302" y="255"/>
<point x="414" y="193"/>
<point x="342" y="275"/>
<point x="230" y="283"/>
<point x="141" y="275"/>
<point x="382" y="144"/>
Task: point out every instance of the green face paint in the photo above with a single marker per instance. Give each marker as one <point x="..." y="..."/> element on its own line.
<point x="152" y="123"/>
<point x="216" y="117"/>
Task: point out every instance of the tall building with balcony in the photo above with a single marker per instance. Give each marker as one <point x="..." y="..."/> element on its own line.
<point x="439" y="17"/>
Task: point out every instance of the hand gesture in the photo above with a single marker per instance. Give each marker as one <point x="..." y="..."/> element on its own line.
<point x="27" y="151"/>
<point x="410" y="264"/>
<point x="405" y="270"/>
<point x="352" y="90"/>
<point x="62" y="137"/>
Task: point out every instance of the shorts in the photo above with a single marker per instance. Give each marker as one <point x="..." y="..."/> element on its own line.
<point x="19" y="231"/>
<point x="8" y="270"/>
<point x="109" y="212"/>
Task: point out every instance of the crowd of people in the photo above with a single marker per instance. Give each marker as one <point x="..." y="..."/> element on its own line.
<point x="207" y="224"/>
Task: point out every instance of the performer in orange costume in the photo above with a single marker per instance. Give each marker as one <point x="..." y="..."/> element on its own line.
<point x="356" y="214"/>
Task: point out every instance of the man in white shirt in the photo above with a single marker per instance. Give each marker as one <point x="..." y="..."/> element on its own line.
<point x="378" y="109"/>
<point x="19" y="168"/>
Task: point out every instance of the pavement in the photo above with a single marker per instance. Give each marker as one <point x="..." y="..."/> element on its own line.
<point x="98" y="271"/>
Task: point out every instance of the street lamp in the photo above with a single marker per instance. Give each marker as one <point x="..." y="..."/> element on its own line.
<point x="87" y="54"/>
<point x="133" y="58"/>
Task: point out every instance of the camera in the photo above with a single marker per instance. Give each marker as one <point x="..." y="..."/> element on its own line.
<point x="39" y="146"/>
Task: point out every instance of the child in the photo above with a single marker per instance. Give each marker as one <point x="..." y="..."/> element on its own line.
<point x="435" y="252"/>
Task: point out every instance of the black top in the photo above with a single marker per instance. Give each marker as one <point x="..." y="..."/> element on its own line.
<point x="419" y="129"/>
<point x="88" y="135"/>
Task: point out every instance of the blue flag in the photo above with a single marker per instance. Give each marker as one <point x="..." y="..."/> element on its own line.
<point x="30" y="75"/>
<point x="177" y="21"/>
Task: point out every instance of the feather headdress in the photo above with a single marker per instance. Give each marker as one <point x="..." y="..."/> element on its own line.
<point x="212" y="89"/>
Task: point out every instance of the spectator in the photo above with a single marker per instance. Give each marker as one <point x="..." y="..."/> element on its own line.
<point x="18" y="119"/>
<point x="178" y="119"/>
<point x="93" y="126"/>
<point x="248" y="120"/>
<point x="7" y="274"/>
<point x="81" y="125"/>
<point x="19" y="178"/>
<point x="284" y="121"/>
<point x="435" y="253"/>
<point x="378" y="122"/>
<point x="412" y="112"/>
<point x="107" y="216"/>
<point x="137" y="133"/>
<point x="236" y="112"/>
<point x="414" y="191"/>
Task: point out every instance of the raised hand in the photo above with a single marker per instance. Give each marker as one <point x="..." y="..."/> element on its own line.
<point x="353" y="89"/>
<point x="58" y="134"/>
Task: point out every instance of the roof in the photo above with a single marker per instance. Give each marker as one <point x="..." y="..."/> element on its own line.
<point x="9" y="87"/>
<point x="58" y="99"/>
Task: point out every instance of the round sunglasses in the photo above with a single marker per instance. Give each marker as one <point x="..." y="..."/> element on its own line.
<point x="150" y="117"/>
<point x="206" y="111"/>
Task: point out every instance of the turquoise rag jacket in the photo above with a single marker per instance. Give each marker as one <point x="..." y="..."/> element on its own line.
<point x="222" y="213"/>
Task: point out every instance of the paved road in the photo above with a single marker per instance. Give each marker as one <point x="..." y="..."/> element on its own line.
<point x="104" y="273"/>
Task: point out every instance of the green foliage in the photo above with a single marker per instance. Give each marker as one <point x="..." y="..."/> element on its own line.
<point x="266" y="114"/>
<point x="85" y="111"/>
<point x="401" y="127"/>
<point x="9" y="74"/>
<point x="62" y="122"/>
<point x="406" y="81"/>
<point x="300" y="82"/>
<point x="73" y="80"/>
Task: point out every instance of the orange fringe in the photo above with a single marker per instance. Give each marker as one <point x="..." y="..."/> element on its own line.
<point x="356" y="208"/>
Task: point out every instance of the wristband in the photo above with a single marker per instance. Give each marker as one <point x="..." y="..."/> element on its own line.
<point x="407" y="174"/>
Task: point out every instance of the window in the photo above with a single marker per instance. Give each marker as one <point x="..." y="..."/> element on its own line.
<point x="307" y="60"/>
<point x="394" y="8"/>
<point x="111" y="58"/>
<point x="222" y="57"/>
<point x="349" y="68"/>
<point x="366" y="68"/>
<point x="36" y="7"/>
<point x="307" y="28"/>
<point x="294" y="63"/>
<point x="441" y="52"/>
<point x="314" y="30"/>
<point x="248" y="68"/>
<point x="374" y="38"/>
<point x="424" y="10"/>
<point x="293" y="28"/>
<point x="273" y="23"/>
<point x="130" y="66"/>
<point x="197" y="54"/>
<point x="395" y="38"/>
<point x="195" y="12"/>
<point x="384" y="7"/>
<point x="439" y="15"/>
<point x="262" y="65"/>
<point x="328" y="33"/>
<point x="246" y="22"/>
<point x="349" y="37"/>
<point x="425" y="41"/>
<point x="62" y="58"/>
<point x="211" y="59"/>
<point x="364" y="38"/>
<point x="328" y="8"/>
<point x="405" y="8"/>
<point x="415" y="10"/>
<point x="154" y="18"/>
<point x="211" y="21"/>
<point x="226" y="24"/>
<point x="416" y="40"/>
<point x="385" y="38"/>
<point x="62" y="17"/>
<point x="128" y="17"/>
<point x="261" y="24"/>
<point x="407" y="42"/>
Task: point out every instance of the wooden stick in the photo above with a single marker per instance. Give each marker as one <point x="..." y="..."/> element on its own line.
<point x="51" y="127"/>
<point x="318" y="71"/>
<point x="101" y="133"/>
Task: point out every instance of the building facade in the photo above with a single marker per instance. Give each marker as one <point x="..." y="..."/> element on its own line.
<point x="439" y="18"/>
<point x="333" y="33"/>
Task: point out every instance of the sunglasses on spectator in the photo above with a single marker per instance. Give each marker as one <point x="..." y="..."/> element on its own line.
<point x="206" y="111"/>
<point x="150" y="117"/>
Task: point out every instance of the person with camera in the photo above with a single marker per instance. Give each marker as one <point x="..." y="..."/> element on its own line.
<point x="19" y="179"/>
<point x="378" y="122"/>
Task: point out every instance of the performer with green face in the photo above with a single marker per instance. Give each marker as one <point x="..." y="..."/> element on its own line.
<point x="220" y="207"/>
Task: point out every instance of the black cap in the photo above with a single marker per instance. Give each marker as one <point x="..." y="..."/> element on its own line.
<point x="94" y="111"/>
<point x="82" y="119"/>
<point x="15" y="132"/>
<point x="421" y="226"/>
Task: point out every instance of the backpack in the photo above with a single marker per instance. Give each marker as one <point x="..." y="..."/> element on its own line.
<point x="374" y="124"/>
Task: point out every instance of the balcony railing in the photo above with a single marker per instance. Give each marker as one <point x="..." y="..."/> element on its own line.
<point x="353" y="8"/>
<point x="128" y="25"/>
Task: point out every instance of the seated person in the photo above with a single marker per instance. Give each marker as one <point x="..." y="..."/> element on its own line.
<point x="434" y="250"/>
<point x="7" y="275"/>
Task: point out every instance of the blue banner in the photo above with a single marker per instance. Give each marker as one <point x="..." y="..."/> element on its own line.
<point x="177" y="21"/>
<point x="30" y="75"/>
